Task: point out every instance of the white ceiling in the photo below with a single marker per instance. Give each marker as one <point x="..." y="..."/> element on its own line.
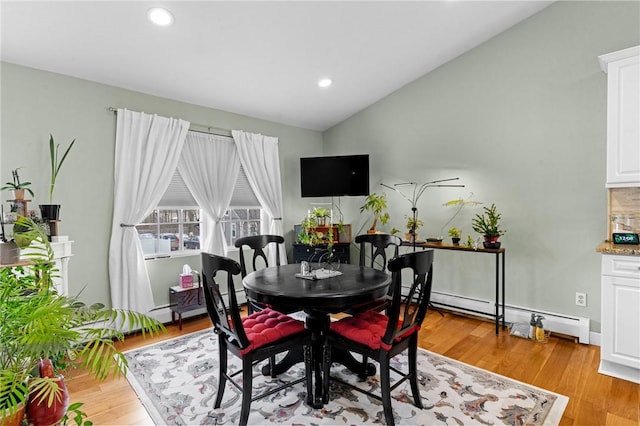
<point x="261" y="59"/>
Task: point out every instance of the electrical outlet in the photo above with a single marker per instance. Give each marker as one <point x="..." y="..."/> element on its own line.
<point x="581" y="299"/>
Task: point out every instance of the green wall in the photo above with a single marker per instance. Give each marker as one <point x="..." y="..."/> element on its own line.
<point x="521" y="120"/>
<point x="36" y="103"/>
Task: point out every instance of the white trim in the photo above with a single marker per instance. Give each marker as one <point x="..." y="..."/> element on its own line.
<point x="555" y="322"/>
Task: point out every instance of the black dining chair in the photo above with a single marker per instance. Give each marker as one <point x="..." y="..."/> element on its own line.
<point x="253" y="339"/>
<point x="381" y="336"/>
<point x="258" y="243"/>
<point x="376" y="247"/>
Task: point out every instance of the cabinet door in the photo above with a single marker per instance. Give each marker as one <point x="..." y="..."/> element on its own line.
<point x="623" y="125"/>
<point x="621" y="320"/>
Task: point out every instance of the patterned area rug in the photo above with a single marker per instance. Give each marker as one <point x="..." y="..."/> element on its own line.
<point x="176" y="381"/>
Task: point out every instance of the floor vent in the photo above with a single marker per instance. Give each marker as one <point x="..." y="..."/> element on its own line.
<point x="577" y="327"/>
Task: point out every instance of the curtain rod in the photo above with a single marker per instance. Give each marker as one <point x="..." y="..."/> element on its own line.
<point x="212" y="130"/>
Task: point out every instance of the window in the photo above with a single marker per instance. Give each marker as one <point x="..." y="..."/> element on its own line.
<point x="241" y="222"/>
<point x="173" y="228"/>
<point x="167" y="231"/>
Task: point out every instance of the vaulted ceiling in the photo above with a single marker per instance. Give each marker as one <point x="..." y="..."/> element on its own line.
<point x="262" y="59"/>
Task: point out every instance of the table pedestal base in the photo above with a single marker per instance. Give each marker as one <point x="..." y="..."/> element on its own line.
<point x="318" y="323"/>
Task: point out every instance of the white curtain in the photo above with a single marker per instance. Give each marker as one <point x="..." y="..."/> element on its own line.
<point x="147" y="151"/>
<point x="210" y="166"/>
<point x="261" y="162"/>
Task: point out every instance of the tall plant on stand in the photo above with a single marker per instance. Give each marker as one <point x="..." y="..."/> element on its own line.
<point x="52" y="211"/>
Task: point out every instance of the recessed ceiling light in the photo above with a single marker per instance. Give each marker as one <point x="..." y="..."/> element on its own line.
<point x="325" y="82"/>
<point x="159" y="16"/>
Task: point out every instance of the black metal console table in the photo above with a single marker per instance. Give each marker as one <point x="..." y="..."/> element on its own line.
<point x="499" y="314"/>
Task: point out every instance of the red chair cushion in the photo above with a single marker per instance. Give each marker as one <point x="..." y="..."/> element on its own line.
<point x="268" y="326"/>
<point x="366" y="328"/>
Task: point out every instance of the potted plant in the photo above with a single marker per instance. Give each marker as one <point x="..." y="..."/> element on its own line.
<point x="413" y="225"/>
<point x="308" y="234"/>
<point x="52" y="211"/>
<point x="487" y="224"/>
<point x="16" y="186"/>
<point x="455" y="233"/>
<point x="40" y="324"/>
<point x="321" y="215"/>
<point x="377" y="204"/>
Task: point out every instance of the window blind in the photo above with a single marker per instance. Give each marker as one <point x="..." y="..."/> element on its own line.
<point x="178" y="195"/>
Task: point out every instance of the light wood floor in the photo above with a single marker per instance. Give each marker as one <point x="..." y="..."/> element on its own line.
<point x="560" y="365"/>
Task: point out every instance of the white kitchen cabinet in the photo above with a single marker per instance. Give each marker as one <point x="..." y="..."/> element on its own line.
<point x="620" y="334"/>
<point x="623" y="116"/>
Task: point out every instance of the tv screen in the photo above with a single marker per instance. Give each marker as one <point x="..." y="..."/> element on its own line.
<point x="334" y="176"/>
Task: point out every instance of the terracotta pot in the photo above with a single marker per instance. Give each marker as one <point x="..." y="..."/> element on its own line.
<point x="38" y="412"/>
<point x="18" y="194"/>
<point x="14" y="419"/>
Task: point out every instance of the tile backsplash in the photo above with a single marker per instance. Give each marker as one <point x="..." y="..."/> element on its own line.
<point x="624" y="210"/>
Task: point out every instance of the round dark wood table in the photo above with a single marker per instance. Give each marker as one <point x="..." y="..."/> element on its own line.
<point x="279" y="288"/>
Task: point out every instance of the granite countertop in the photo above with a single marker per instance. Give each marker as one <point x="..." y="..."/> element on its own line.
<point x="607" y="247"/>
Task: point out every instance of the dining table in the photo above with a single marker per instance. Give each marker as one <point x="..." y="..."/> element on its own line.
<point x="282" y="288"/>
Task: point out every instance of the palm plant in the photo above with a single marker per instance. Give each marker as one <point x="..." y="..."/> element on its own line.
<point x="36" y="322"/>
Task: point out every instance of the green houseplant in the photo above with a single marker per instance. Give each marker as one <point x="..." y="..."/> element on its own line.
<point x="412" y="226"/>
<point x="455" y="234"/>
<point x="52" y="211"/>
<point x="377" y="204"/>
<point x="321" y="215"/>
<point x="18" y="187"/>
<point x="487" y="224"/>
<point x="38" y="323"/>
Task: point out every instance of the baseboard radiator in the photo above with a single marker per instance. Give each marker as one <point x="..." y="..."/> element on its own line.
<point x="577" y="327"/>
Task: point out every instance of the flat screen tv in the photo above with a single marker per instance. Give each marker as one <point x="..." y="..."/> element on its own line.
<point x="334" y="176"/>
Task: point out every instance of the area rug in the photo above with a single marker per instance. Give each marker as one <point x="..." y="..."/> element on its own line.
<point x="176" y="380"/>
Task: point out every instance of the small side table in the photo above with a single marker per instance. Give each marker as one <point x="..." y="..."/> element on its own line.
<point x="184" y="300"/>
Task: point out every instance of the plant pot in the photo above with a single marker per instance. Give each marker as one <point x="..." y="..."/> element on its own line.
<point x="18" y="194"/>
<point x="15" y="418"/>
<point x="39" y="413"/>
<point x="491" y="242"/>
<point x="9" y="253"/>
<point x="456" y="241"/>
<point x="50" y="211"/>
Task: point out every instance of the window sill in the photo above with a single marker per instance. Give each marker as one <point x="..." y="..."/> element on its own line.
<point x="160" y="256"/>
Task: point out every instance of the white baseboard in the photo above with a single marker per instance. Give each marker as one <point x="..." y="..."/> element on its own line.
<point x="559" y="323"/>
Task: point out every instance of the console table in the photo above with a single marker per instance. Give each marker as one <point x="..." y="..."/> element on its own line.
<point x="499" y="314"/>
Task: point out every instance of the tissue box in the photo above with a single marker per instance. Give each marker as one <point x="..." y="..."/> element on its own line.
<point x="186" y="280"/>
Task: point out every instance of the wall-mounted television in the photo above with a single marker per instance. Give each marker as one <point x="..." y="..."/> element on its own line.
<point x="334" y="176"/>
